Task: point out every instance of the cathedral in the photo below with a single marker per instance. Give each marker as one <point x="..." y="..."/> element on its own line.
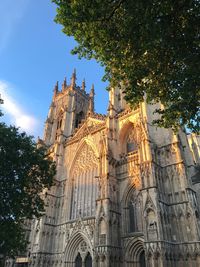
<point x="126" y="193"/>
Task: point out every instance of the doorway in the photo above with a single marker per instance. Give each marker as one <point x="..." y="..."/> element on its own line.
<point x="78" y="261"/>
<point x="142" y="259"/>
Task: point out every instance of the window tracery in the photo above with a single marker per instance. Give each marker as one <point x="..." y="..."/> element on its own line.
<point x="84" y="184"/>
<point x="133" y="212"/>
<point x="131" y="144"/>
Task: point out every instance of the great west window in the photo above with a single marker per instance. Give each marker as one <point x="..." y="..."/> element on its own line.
<point x="84" y="184"/>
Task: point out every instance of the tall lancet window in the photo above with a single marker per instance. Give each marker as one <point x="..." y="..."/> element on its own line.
<point x="59" y="124"/>
<point x="133" y="212"/>
<point x="79" y="118"/>
<point x="84" y="184"/>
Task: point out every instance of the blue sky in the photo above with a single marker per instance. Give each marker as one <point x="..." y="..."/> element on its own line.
<point x="34" y="54"/>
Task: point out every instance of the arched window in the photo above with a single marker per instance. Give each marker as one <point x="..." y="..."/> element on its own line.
<point x="133" y="212"/>
<point x="88" y="260"/>
<point x="78" y="261"/>
<point x="84" y="185"/>
<point x="131" y="145"/>
<point x="59" y="123"/>
<point x="132" y="217"/>
<point x="79" y="118"/>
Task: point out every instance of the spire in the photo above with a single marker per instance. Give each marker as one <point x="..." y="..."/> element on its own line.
<point x="83" y="85"/>
<point x="55" y="91"/>
<point x="64" y="85"/>
<point x="73" y="79"/>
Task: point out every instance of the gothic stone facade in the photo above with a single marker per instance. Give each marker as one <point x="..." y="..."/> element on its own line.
<point x="124" y="193"/>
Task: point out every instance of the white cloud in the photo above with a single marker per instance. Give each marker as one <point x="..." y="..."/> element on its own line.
<point x="15" y="113"/>
<point x="11" y="12"/>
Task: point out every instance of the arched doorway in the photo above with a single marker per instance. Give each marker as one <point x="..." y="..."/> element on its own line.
<point x="142" y="259"/>
<point x="78" y="261"/>
<point x="134" y="252"/>
<point x="88" y="260"/>
<point x="78" y="251"/>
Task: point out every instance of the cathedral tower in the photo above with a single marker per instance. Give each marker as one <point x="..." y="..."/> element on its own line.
<point x="68" y="108"/>
<point x="126" y="193"/>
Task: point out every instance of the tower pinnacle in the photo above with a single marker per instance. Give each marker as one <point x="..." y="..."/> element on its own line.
<point x="55" y="91"/>
<point x="64" y="85"/>
<point x="91" y="100"/>
<point x="73" y="79"/>
<point x="92" y="93"/>
<point x="83" y="85"/>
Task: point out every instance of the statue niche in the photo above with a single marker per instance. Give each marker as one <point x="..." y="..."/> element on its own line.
<point x="151" y="225"/>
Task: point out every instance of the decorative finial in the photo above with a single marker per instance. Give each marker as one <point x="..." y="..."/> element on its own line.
<point x="91" y="106"/>
<point x="65" y="81"/>
<point x="91" y="101"/>
<point x="92" y="93"/>
<point x="83" y="85"/>
<point x="64" y="85"/>
<point x="73" y="79"/>
<point x="56" y="86"/>
<point x="55" y="91"/>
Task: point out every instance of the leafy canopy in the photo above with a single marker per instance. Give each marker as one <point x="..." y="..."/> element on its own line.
<point x="25" y="172"/>
<point x="150" y="46"/>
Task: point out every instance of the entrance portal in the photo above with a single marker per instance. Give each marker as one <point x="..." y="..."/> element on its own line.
<point x="142" y="259"/>
<point x="78" y="261"/>
<point x="88" y="260"/>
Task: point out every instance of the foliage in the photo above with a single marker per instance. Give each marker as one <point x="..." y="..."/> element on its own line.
<point x="24" y="173"/>
<point x="151" y="46"/>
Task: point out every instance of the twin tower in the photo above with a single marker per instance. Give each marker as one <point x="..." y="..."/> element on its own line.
<point x="126" y="193"/>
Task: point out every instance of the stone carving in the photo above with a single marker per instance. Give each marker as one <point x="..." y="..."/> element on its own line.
<point x="143" y="196"/>
<point x="85" y="160"/>
<point x="87" y="128"/>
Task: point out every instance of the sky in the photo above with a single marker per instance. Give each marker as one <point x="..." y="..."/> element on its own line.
<point x="34" y="54"/>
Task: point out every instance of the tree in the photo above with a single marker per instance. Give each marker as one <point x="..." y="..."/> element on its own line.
<point x="152" y="47"/>
<point x="25" y="171"/>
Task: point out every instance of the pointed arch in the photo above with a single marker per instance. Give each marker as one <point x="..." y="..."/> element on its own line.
<point x="78" y="260"/>
<point x="73" y="246"/>
<point x="88" y="260"/>
<point x="128" y="137"/>
<point x="127" y="125"/>
<point x="129" y="190"/>
<point x="86" y="141"/>
<point x="84" y="185"/>
<point x="132" y="210"/>
<point x="133" y="251"/>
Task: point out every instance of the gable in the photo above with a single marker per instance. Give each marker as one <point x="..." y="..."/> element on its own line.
<point x="88" y="127"/>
